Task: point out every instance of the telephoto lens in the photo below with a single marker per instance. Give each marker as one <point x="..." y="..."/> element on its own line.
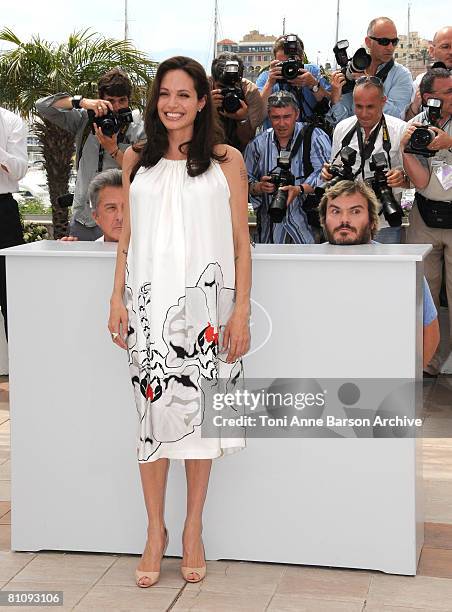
<point x="278" y="206"/>
<point x="392" y="210"/>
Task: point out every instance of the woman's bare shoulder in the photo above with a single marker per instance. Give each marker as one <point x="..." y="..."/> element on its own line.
<point x="232" y="155"/>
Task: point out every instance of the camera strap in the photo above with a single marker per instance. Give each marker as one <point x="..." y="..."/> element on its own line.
<point x="383" y="73"/>
<point x="100" y="159"/>
<point x="297" y="143"/>
<point x="366" y="150"/>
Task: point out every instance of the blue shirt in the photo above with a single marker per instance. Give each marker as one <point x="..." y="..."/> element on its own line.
<point x="308" y="100"/>
<point x="398" y="88"/>
<point x="260" y="159"/>
<point x="430" y="312"/>
<point x="429" y="308"/>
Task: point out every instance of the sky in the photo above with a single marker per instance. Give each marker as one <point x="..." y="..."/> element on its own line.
<point x="183" y="27"/>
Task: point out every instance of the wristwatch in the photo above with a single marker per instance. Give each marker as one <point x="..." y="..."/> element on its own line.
<point x="76" y="101"/>
<point x="301" y="190"/>
<point x="315" y="88"/>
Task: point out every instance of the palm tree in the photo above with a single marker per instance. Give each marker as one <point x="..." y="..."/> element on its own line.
<point x="30" y="70"/>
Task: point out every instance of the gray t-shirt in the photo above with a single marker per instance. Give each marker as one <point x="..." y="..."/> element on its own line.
<point x="75" y="121"/>
<point x="434" y="189"/>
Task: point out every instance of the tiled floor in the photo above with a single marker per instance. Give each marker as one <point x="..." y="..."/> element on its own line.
<point x="105" y="582"/>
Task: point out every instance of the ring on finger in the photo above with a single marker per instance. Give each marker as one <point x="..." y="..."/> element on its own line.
<point x="114" y="335"/>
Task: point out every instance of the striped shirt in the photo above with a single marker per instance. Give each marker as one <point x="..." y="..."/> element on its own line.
<point x="260" y="159"/>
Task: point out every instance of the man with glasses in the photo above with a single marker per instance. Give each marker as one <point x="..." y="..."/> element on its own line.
<point x="371" y="131"/>
<point x="431" y="216"/>
<point x="285" y="141"/>
<point x="381" y="41"/>
<point x="440" y="51"/>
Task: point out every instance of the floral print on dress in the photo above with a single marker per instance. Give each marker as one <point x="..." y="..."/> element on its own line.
<point x="167" y="385"/>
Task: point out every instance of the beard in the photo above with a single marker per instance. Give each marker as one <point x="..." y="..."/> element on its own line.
<point x="361" y="237"/>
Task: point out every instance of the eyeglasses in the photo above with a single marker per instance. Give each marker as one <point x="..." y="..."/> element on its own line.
<point x="384" y="42"/>
<point x="370" y="79"/>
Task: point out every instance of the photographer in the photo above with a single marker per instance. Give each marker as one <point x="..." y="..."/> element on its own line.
<point x="430" y="171"/>
<point x="440" y="52"/>
<point x="306" y="83"/>
<point x="231" y="91"/>
<point x="95" y="151"/>
<point x="282" y="169"/>
<point x="371" y="132"/>
<point x="381" y="41"/>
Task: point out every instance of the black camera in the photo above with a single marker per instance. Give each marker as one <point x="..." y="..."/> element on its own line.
<point x="111" y="123"/>
<point x="423" y="136"/>
<point x="359" y="62"/>
<point x="340" y="173"/>
<point x="230" y="87"/>
<point x="290" y="67"/>
<point x="280" y="177"/>
<point x="392" y="210"/>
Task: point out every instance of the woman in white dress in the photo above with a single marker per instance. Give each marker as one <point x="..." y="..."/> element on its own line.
<point x="183" y="270"/>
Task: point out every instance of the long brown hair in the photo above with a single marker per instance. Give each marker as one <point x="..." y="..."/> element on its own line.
<point x="206" y="132"/>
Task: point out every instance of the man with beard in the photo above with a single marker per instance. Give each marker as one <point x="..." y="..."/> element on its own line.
<point x="349" y="216"/>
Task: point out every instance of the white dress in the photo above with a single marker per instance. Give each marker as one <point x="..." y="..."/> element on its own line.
<point x="179" y="293"/>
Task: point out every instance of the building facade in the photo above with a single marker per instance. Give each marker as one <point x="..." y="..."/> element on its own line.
<point x="413" y="52"/>
<point x="255" y="50"/>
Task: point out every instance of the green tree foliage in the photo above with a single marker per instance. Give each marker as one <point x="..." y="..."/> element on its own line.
<point x="37" y="68"/>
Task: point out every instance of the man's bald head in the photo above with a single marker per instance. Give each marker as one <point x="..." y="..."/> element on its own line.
<point x="446" y="31"/>
<point x="441" y="48"/>
<point x="377" y="21"/>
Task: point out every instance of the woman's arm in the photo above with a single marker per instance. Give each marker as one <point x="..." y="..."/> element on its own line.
<point x="118" y="321"/>
<point x="237" y="335"/>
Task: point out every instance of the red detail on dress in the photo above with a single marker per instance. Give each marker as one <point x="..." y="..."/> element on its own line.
<point x="149" y="393"/>
<point x="211" y="335"/>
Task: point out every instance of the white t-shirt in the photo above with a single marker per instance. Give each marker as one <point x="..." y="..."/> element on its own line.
<point x="101" y="239"/>
<point x="396" y="129"/>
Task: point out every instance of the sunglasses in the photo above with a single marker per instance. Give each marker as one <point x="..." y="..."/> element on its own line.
<point x="384" y="42"/>
<point x="370" y="79"/>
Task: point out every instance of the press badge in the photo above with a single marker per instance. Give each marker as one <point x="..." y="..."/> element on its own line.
<point x="443" y="173"/>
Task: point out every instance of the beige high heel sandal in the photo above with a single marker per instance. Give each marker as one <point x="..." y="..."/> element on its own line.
<point x="201" y="571"/>
<point x="152" y="577"/>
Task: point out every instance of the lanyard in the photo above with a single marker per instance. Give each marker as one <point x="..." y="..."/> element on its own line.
<point x="286" y="148"/>
<point x="366" y="149"/>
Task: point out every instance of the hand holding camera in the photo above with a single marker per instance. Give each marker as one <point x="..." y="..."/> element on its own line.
<point x="396" y="178"/>
<point x="304" y="79"/>
<point x="109" y="143"/>
<point x="293" y="191"/>
<point x="351" y="67"/>
<point x="98" y="107"/>
<point x="426" y="140"/>
<point x="266" y="185"/>
<point x="325" y="172"/>
<point x="218" y="100"/>
<point x="442" y="140"/>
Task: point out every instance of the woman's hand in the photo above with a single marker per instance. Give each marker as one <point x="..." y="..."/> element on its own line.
<point x="236" y="336"/>
<point x="118" y="321"/>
